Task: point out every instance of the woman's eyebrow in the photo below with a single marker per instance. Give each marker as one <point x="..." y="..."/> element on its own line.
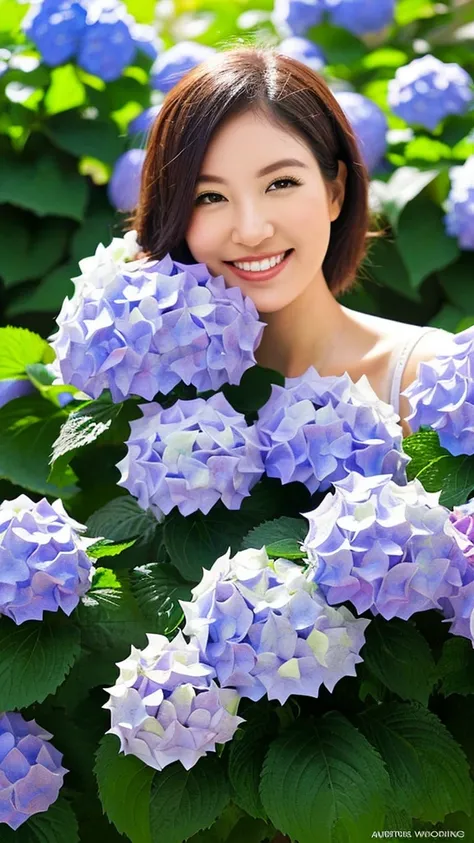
<point x="277" y="165"/>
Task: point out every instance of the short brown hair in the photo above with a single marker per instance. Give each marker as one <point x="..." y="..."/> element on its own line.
<point x="293" y="97"/>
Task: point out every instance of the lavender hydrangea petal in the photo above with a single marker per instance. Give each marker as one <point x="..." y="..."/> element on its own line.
<point x="12" y="388"/>
<point x="427" y="90"/>
<point x="361" y="16"/>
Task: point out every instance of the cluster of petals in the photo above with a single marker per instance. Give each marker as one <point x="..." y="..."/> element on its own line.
<point x="165" y="705"/>
<point x="459" y="218"/>
<point x="442" y="396"/>
<point x="315" y="430"/>
<point x="44" y="565"/>
<point x="141" y="328"/>
<point x="31" y="774"/>
<point x="459" y="608"/>
<point x="369" y="124"/>
<point x="385" y="548"/>
<point x="191" y="455"/>
<point x="266" y="630"/>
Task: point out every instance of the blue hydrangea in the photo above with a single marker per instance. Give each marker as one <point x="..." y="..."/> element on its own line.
<point x="145" y="39"/>
<point x="107" y="46"/>
<point x="55" y="27"/>
<point x="142" y="331"/>
<point x="175" y="62"/>
<point x="361" y="16"/>
<point x="442" y="396"/>
<point x="391" y="549"/>
<point x="31" y="773"/>
<point x="369" y="124"/>
<point x="12" y="388"/>
<point x="296" y="16"/>
<point x="304" y="51"/>
<point x="124" y="186"/>
<point x="315" y="430"/>
<point x="165" y="706"/>
<point x="459" y="219"/>
<point x="43" y="560"/>
<point x="427" y="90"/>
<point x="265" y="629"/>
<point x="190" y="456"/>
<point x="142" y="124"/>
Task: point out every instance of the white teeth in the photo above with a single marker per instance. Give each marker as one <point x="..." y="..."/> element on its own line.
<point x="260" y="266"/>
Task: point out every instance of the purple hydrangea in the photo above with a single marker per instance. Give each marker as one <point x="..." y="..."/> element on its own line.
<point x="142" y="330"/>
<point x="369" y="124"/>
<point x="463" y="519"/>
<point x="55" y="27"/>
<point x="459" y="220"/>
<point x="142" y="124"/>
<point x="296" y="16"/>
<point x="391" y="549"/>
<point x="43" y="561"/>
<point x="316" y="429"/>
<point x="459" y="607"/>
<point x="442" y="396"/>
<point x="427" y="90"/>
<point x="165" y="706"/>
<point x="124" y="186"/>
<point x="175" y="62"/>
<point x="304" y="51"/>
<point x="190" y="456"/>
<point x="361" y="16"/>
<point x="265" y="629"/>
<point x="31" y="774"/>
<point x="11" y="388"/>
<point x="106" y="46"/>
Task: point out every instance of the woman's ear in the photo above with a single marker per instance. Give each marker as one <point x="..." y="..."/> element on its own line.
<point x="337" y="190"/>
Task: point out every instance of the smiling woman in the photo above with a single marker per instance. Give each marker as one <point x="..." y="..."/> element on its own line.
<point x="253" y="169"/>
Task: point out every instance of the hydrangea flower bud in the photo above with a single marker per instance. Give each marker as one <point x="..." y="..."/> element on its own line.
<point x="315" y="430"/>
<point x="56" y="28"/>
<point x="266" y="630"/>
<point x="31" y="774"/>
<point x="296" y="16"/>
<point x="175" y="62"/>
<point x="43" y="561"/>
<point x="391" y="549"/>
<point x="123" y="189"/>
<point x="142" y="331"/>
<point x="427" y="90"/>
<point x="190" y="456"/>
<point x="369" y="124"/>
<point x="165" y="706"/>
<point x="459" y="220"/>
<point x="11" y="388"/>
<point x="442" y="396"/>
<point x="361" y="16"/>
<point x="304" y="51"/>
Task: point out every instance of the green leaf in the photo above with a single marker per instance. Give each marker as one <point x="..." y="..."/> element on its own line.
<point x="110" y="622"/>
<point x="20" y="348"/>
<point x="105" y="547"/>
<point x="121" y="519"/>
<point x="454" y="476"/>
<point x="322" y="776"/>
<point x="254" y="389"/>
<point x="422" y="241"/>
<point x="96" y="228"/>
<point x="384" y="57"/>
<point x="34" y="659"/>
<point x="56" y="825"/>
<point x="385" y="265"/>
<point x="104" y="578"/>
<point x="65" y="91"/>
<point x="49" y="295"/>
<point x="43" y="186"/>
<point x="456" y="667"/>
<point x="456" y="281"/>
<point x="28" y="428"/>
<point x="407" y="11"/>
<point x="429" y="774"/>
<point x="404" y="185"/>
<point x="124" y="789"/>
<point x="28" y="255"/>
<point x="399" y="643"/>
<point x="95" y="138"/>
<point x="339" y="45"/>
<point x="157" y="589"/>
<point x="423" y="447"/>
<point x="246" y="756"/>
<point x="281" y="537"/>
<point x="185" y="801"/>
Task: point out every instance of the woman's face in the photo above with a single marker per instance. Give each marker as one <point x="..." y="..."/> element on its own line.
<point x="241" y="215"/>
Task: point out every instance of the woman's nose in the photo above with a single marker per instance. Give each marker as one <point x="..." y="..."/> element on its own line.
<point x="251" y="226"/>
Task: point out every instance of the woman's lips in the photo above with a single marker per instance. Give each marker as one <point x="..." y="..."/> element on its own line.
<point x="246" y="275"/>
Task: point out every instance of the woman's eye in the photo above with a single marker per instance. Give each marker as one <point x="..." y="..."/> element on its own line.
<point x="291" y="181"/>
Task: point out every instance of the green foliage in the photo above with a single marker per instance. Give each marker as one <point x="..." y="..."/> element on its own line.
<point x="281" y="537"/>
<point x="124" y="788"/>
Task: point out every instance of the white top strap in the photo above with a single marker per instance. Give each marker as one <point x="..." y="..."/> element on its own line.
<point x="400" y="364"/>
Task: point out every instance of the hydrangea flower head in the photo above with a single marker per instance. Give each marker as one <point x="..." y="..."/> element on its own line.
<point x="43" y="561"/>
<point x="361" y="16"/>
<point x="165" y="706"/>
<point x="296" y="16"/>
<point x="191" y="455"/>
<point x="304" y="51"/>
<point x="141" y="330"/>
<point x="175" y="62"/>
<point x="31" y="773"/>
<point x="316" y="429"/>
<point x="388" y="548"/>
<point x="106" y="46"/>
<point x="265" y="629"/>
<point x="55" y="27"/>
<point x="459" y="219"/>
<point x="427" y="90"/>
<point x="369" y="124"/>
<point x="123" y="188"/>
<point x="442" y="396"/>
<point x="462" y="517"/>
